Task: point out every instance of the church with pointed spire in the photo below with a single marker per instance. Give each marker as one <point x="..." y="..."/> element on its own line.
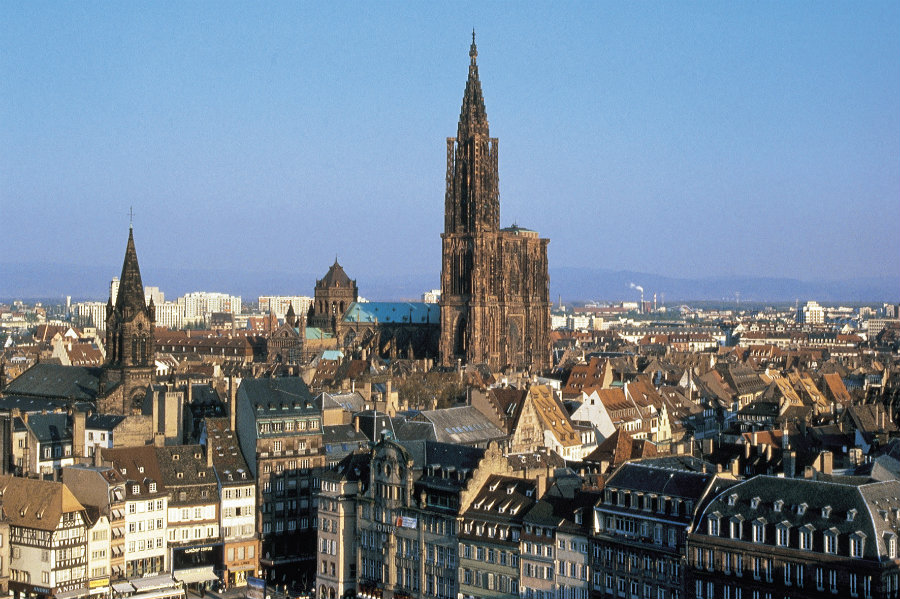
<point x="130" y="345"/>
<point x="495" y="287"/>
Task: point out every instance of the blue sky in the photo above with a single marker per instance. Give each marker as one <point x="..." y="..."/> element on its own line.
<point x="685" y="139"/>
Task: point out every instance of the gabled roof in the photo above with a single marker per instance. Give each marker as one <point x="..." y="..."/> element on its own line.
<point x="33" y="503"/>
<point x="50" y="428"/>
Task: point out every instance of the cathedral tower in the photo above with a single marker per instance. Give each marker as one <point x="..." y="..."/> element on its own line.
<point x="495" y="306"/>
<point x="130" y="347"/>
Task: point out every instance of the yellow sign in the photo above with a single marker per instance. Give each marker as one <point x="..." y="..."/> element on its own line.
<point x="100" y="582"/>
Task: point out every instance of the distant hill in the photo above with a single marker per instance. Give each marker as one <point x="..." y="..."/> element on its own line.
<point x="22" y="281"/>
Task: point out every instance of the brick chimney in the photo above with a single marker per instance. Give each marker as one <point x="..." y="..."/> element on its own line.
<point x="232" y="401"/>
<point x="78" y="436"/>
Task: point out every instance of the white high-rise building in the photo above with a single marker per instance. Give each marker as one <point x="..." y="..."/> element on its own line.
<point x="279" y="304"/>
<point x="92" y="314"/>
<point x="812" y="313"/>
<point x="114" y="289"/>
<point x="169" y="315"/>
<point x="200" y="304"/>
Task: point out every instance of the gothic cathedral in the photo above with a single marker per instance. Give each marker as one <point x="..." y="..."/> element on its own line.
<point x="495" y="305"/>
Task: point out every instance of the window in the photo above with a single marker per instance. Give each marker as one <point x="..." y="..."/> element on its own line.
<point x="783" y="534"/>
<point x="832" y="581"/>
<point x="153" y="487"/>
<point x="857" y="542"/>
<point x="829" y="538"/>
<point x="135" y="489"/>
<point x="854" y="591"/>
<point x="759" y="531"/>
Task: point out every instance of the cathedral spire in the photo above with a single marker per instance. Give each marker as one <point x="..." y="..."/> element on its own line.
<point x="131" y="289"/>
<point x="472" y="116"/>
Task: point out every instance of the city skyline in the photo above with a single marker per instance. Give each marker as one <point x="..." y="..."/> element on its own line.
<point x="698" y="141"/>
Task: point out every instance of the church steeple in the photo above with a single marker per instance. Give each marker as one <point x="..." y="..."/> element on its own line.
<point x="472" y="201"/>
<point x="130" y="325"/>
<point x="130" y="298"/>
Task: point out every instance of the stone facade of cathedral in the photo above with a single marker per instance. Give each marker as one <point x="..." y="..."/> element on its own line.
<point x="130" y="345"/>
<point x="495" y="304"/>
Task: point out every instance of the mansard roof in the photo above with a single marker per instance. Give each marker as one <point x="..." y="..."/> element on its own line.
<point x="872" y="509"/>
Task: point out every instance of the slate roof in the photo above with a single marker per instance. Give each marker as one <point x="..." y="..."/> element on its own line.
<point x="341" y="440"/>
<point x="131" y="289"/>
<point x="870" y="508"/>
<point x="464" y="425"/>
<point x="30" y="404"/>
<point x="139" y="466"/>
<point x="51" y="427"/>
<point x="228" y="461"/>
<point x="33" y="503"/>
<point x="393" y="312"/>
<point x="273" y="394"/>
<point x="672" y="482"/>
<point x="183" y="469"/>
<point x="55" y="381"/>
<point x="503" y="500"/>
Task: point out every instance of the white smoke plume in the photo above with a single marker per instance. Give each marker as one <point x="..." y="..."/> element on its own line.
<point x="638" y="287"/>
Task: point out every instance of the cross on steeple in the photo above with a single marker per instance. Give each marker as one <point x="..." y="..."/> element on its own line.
<point x="131" y="217"/>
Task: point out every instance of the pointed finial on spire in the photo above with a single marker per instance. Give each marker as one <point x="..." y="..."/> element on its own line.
<point x="131" y="217"/>
<point x="473" y="51"/>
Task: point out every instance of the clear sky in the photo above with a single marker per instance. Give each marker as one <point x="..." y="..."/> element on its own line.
<point x="678" y="138"/>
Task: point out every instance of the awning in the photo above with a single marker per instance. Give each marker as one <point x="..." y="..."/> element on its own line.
<point x="122" y="587"/>
<point x="204" y="574"/>
<point x="73" y="594"/>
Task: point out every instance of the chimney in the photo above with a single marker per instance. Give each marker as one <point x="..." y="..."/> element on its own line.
<point x="827" y="460"/>
<point x="190" y="391"/>
<point x="808" y="472"/>
<point x="98" y="456"/>
<point x="367" y="391"/>
<point x="78" y="436"/>
<point x="735" y="467"/>
<point x="232" y="401"/>
<point x="356" y="423"/>
<point x="540" y="486"/>
<point x="790" y="464"/>
<point x="154" y="401"/>
<point x="746" y="449"/>
<point x="209" y="452"/>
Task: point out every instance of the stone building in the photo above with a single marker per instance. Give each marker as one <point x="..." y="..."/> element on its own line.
<point x="495" y="306"/>
<point x="776" y="537"/>
<point x="130" y="343"/>
<point x="640" y="529"/>
<point x="333" y="295"/>
<point x="280" y="431"/>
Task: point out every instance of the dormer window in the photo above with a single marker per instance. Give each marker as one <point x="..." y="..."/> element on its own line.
<point x="890" y="541"/>
<point x="732" y="499"/>
<point x="826" y="511"/>
<point x="806" y="537"/>
<point x="778" y="505"/>
<point x="735" y="525"/>
<point x="851" y="514"/>
<point x="754" y="503"/>
<point x="135" y="489"/>
<point x="801" y="509"/>
<point x="857" y="544"/>
<point x="153" y="487"/>
<point x="759" y="530"/>
<point x="712" y="523"/>
<point x="141" y="469"/>
<point x="829" y="540"/>
<point x="783" y="534"/>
